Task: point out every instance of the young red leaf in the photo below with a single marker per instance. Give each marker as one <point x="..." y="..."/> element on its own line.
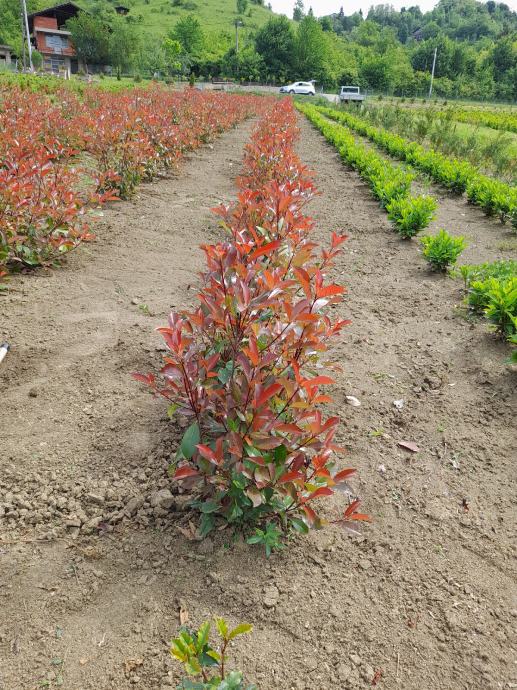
<point x="344" y="474"/>
<point x="330" y="290"/>
<point x="184" y="472"/>
<point x="207" y="453"/>
<point x="322" y="491"/>
<point x="267" y="393"/>
<point x="290" y="477"/>
<point x="265" y="249"/>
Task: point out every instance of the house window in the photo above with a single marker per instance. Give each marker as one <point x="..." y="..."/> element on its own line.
<point x="57" y="43"/>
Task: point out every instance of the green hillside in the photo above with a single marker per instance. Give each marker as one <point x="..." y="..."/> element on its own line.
<point x="157" y="17"/>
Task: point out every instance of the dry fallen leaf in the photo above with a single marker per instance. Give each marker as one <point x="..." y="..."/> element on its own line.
<point x="409" y="445"/>
<point x="190" y="532"/>
<point x="132" y="664"/>
<point x="183" y="615"/>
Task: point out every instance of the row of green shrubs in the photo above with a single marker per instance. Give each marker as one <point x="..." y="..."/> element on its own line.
<point x="491" y="288"/>
<point x="494" y="197"/>
<point x="492" y="292"/>
<point x="389" y="183"/>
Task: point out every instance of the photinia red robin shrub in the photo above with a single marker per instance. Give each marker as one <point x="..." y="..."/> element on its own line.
<point x="61" y="155"/>
<point x="247" y="366"/>
<point x="43" y="205"/>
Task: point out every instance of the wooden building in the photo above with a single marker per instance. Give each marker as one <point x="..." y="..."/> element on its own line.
<point x="51" y="38"/>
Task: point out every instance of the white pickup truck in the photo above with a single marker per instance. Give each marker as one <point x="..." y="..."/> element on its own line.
<point x="350" y="93"/>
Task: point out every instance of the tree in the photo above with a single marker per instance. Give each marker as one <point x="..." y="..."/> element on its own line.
<point x="123" y="45"/>
<point x="91" y="38"/>
<point x="311" y="50"/>
<point x="246" y="65"/>
<point x="326" y="23"/>
<point x="242" y="6"/>
<point x="298" y="11"/>
<point x="37" y="59"/>
<point x="10" y="28"/>
<point x="172" y="51"/>
<point x="189" y="33"/>
<point x="375" y="73"/>
<point x="275" y="42"/>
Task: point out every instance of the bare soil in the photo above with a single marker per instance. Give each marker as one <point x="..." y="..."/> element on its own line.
<point x="92" y="575"/>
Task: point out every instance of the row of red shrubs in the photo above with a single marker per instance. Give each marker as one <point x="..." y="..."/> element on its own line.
<point x="247" y="365"/>
<point x="62" y="155"/>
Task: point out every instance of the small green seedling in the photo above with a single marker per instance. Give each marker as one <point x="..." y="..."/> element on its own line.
<point x="144" y="309"/>
<point x="203" y="663"/>
<point x="271" y="538"/>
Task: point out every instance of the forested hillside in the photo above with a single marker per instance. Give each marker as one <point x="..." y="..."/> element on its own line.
<point x="392" y="51"/>
<point x="387" y="51"/>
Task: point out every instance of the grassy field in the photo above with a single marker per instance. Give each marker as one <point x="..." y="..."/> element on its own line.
<point x="157" y="17"/>
<point x="439" y="102"/>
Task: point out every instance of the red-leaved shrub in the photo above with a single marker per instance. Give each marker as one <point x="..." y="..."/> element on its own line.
<point x="247" y="364"/>
<point x="61" y="155"/>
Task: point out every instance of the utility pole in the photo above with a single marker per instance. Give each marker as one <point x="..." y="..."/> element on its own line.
<point x="22" y="20"/>
<point x="237" y="24"/>
<point x="27" y="34"/>
<point x="432" y="73"/>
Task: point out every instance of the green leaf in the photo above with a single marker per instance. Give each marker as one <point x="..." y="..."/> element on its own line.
<point x="207" y="659"/>
<point x="233" y="425"/>
<point x="280" y="454"/>
<point x="172" y="409"/>
<point x="222" y="627"/>
<point x="190" y="440"/>
<point x="209" y="507"/>
<point x="206" y="525"/>
<point x="299" y="525"/>
<point x="240" y="630"/>
<point x="225" y="374"/>
<point x="193" y="667"/>
<point x="233" y="681"/>
<point x="255" y="539"/>
<point x="202" y="635"/>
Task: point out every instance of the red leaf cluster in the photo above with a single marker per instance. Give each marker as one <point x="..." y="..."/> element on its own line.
<point x="247" y="365"/>
<point x="62" y="155"/>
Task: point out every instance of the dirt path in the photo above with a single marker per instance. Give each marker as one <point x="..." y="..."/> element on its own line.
<point x="422" y="598"/>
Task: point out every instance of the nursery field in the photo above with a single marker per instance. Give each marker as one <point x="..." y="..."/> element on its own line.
<point x="487" y="138"/>
<point x="329" y="454"/>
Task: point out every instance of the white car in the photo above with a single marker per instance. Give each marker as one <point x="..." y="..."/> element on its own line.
<point x="305" y="88"/>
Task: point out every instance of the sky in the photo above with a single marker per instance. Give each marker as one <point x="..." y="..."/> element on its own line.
<point x="322" y="7"/>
